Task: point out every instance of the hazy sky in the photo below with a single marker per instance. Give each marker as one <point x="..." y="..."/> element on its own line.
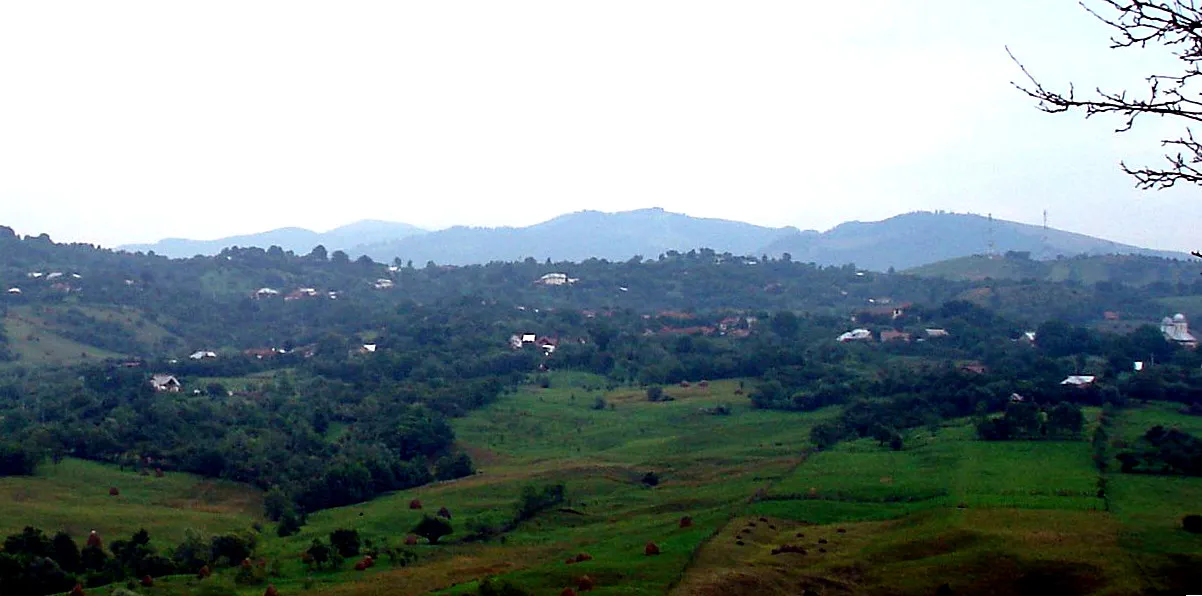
<point x="131" y="121"/>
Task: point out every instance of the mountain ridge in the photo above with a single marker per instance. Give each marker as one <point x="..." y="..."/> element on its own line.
<point x="903" y="241"/>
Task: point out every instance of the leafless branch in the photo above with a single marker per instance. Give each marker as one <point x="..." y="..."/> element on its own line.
<point x="1174" y="24"/>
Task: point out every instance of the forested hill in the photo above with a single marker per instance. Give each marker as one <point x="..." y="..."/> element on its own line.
<point x="74" y="298"/>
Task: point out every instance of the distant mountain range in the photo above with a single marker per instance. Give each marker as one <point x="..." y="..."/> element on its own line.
<point x="297" y="240"/>
<point x="902" y="242"/>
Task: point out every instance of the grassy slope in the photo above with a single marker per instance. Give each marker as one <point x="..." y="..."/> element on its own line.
<point x="37" y="345"/>
<point x="1030" y="518"/>
<point x="74" y="496"/>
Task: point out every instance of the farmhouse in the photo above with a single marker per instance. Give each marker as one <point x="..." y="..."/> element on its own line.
<point x="384" y="284"/>
<point x="935" y="332"/>
<point x="165" y="383"/>
<point x="1079" y="381"/>
<point x="855" y="335"/>
<point x="203" y="355"/>
<point x="14" y="291"/>
<point x="266" y="293"/>
<point x="556" y="279"/>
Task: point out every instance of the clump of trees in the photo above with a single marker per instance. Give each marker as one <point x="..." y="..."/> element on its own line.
<point x="1028" y="421"/>
<point x="1164" y="451"/>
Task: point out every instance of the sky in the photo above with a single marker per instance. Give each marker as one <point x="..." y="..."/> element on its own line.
<point x="134" y="121"/>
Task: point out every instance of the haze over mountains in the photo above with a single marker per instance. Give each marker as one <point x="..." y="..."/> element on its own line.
<point x="901" y="242"/>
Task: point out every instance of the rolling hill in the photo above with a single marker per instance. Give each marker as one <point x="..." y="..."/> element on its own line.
<point x="298" y="240"/>
<point x="901" y="242"/>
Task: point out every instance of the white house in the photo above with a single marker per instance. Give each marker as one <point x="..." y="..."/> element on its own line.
<point x="855" y="335"/>
<point x="383" y="284"/>
<point x="266" y="292"/>
<point x="556" y="279"/>
<point x="937" y="333"/>
<point x="1078" y="380"/>
<point x="166" y="383"/>
<point x="202" y="355"/>
<point x="14" y="291"/>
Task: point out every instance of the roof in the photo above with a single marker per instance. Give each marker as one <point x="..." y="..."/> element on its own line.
<point x="855" y="335"/>
<point x="1078" y="380"/>
<point x="891" y="335"/>
<point x="160" y="380"/>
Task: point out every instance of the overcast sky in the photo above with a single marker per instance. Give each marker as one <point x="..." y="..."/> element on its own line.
<point x="132" y="121"/>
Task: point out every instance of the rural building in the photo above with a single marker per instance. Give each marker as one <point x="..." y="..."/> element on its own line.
<point x="1079" y="381"/>
<point x="166" y="383"/>
<point x="14" y="291"/>
<point x="301" y="293"/>
<point x="266" y="293"/>
<point x="368" y="349"/>
<point x="892" y="335"/>
<point x="556" y="279"/>
<point x="933" y="333"/>
<point x="855" y="335"/>
<point x="383" y="284"/>
<point x="202" y="355"/>
<point x="1176" y="330"/>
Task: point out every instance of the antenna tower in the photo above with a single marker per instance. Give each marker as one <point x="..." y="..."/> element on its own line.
<point x="992" y="247"/>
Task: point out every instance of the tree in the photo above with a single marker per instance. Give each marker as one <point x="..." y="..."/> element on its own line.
<point x="432" y="528"/>
<point x="318" y="552"/>
<point x="655" y="393"/>
<point x="319" y="254"/>
<point x="346" y="542"/>
<point x="1065" y="419"/>
<point x="66" y="552"/>
<point x="1172" y="24"/>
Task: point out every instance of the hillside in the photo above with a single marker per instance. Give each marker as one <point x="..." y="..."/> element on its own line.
<point x="298" y="240"/>
<point x="916" y="239"/>
<point x="1135" y="270"/>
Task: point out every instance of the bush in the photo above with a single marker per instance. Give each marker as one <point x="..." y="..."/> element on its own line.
<point x="16" y="460"/>
<point x="346" y="542"/>
<point x="651" y="479"/>
<point x="432" y="528"/>
<point x="534" y="500"/>
<point x="655" y="393"/>
<point x="1192" y="524"/>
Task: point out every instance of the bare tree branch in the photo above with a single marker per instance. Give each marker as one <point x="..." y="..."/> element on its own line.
<point x="1173" y="24"/>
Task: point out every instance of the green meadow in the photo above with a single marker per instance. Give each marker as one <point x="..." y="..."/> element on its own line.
<point x="1006" y="517"/>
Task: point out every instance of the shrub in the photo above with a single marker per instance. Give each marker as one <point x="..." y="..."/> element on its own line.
<point x="432" y="528"/>
<point x="346" y="542"/>
<point x="655" y="393"/>
<point x="651" y="479"/>
<point x="1192" y="524"/>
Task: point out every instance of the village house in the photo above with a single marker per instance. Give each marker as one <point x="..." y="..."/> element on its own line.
<point x="383" y="284"/>
<point x="368" y="349"/>
<point x="556" y="279"/>
<point x="263" y="353"/>
<point x="855" y="335"/>
<point x="1176" y="330"/>
<point x="301" y="293"/>
<point x="165" y="383"/>
<point x="1078" y="381"/>
<point x="203" y="355"/>
<point x="547" y="345"/>
<point x="266" y="293"/>
<point x="935" y="332"/>
<point x="14" y="291"/>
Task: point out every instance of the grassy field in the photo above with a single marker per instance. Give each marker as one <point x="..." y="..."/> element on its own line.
<point x="73" y="496"/>
<point x="36" y="344"/>
<point x="1001" y="518"/>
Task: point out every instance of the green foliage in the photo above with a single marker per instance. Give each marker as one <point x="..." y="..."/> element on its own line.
<point x="432" y="528"/>
<point x="18" y="460"/>
<point x="1164" y="451"/>
<point x="494" y="587"/>
<point x="655" y="393"/>
<point x="450" y="467"/>
<point x="345" y="542"/>
<point x="535" y="500"/>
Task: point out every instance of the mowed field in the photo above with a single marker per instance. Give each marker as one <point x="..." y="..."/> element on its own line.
<point x="985" y="518"/>
<point x="73" y="496"/>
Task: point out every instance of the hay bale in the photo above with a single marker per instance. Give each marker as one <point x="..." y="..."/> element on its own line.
<point x="570" y="561"/>
<point x="568" y="592"/>
<point x="415" y="504"/>
<point x="246" y="564"/>
<point x="147" y="581"/>
<point x="411" y="540"/>
<point x="703" y="384"/>
<point x="686" y="522"/>
<point x="113" y="492"/>
<point x="94" y="540"/>
<point x="684" y="384"/>
<point x="651" y="549"/>
<point x="585" y="583"/>
<point x="789" y="548"/>
<point x="158" y="473"/>
<point x="444" y="512"/>
<point x="841" y="530"/>
<point x="360" y="566"/>
<point x="204" y="572"/>
<point x="370" y="561"/>
<point x="582" y="557"/>
<point x="77" y="590"/>
<point x="271" y="591"/>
